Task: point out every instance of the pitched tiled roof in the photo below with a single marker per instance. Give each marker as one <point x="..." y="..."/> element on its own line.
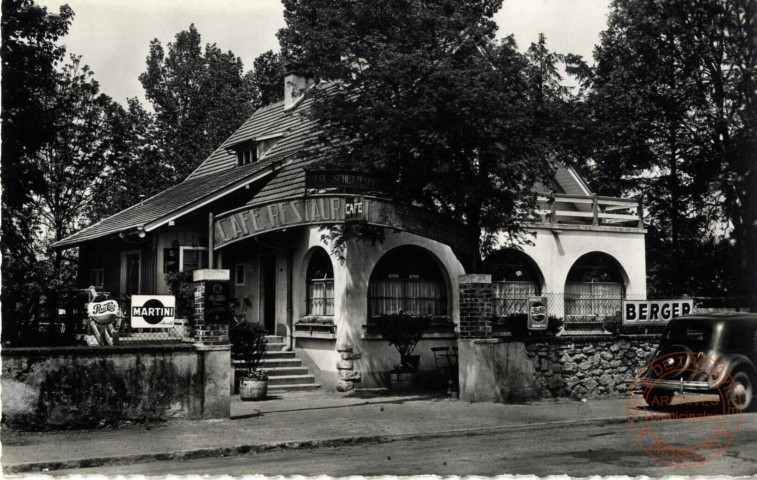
<point x="166" y="202"/>
<point x="296" y="130"/>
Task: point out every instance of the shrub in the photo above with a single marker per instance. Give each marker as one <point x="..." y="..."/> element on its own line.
<point x="248" y="345"/>
<point x="613" y="324"/>
<point x="517" y="325"/>
<point x="403" y="331"/>
<point x="181" y="286"/>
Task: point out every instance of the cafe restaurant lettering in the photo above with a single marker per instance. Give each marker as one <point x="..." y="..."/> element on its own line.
<point x="256" y="211"/>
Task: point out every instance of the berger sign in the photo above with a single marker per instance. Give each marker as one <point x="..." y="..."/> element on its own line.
<point x="253" y="220"/>
<point x="153" y="311"/>
<point x="655" y="312"/>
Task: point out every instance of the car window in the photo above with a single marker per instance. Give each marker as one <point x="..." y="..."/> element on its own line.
<point x="695" y="336"/>
<point x="739" y="338"/>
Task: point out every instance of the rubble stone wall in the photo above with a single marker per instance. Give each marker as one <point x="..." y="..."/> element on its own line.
<point x="512" y="370"/>
<point x="588" y="367"/>
<point x="84" y="387"/>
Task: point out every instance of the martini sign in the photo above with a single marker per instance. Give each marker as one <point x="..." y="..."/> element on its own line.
<point x="153" y="311"/>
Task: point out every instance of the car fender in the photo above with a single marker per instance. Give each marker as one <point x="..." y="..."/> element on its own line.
<point x="736" y="362"/>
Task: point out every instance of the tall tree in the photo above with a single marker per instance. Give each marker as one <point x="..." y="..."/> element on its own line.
<point x="421" y="91"/>
<point x="76" y="165"/>
<point x="30" y="53"/>
<point x="200" y="97"/>
<point x="268" y="77"/>
<point x="141" y="171"/>
<point x="671" y="104"/>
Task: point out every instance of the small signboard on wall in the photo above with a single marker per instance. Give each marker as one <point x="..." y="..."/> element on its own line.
<point x="217" y="298"/>
<point x="655" y="312"/>
<point x="537" y="313"/>
<point x="153" y="311"/>
<point x="353" y="209"/>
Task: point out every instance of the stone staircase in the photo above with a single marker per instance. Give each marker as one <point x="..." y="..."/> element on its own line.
<point x="285" y="370"/>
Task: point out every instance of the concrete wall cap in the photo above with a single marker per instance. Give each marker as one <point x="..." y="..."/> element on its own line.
<point x="208" y="274"/>
<point x="475" y="278"/>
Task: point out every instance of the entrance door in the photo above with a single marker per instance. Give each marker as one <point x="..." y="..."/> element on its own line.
<point x="269" y="293"/>
<point x="130" y="274"/>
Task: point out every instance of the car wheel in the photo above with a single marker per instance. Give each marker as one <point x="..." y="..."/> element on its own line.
<point x="740" y="392"/>
<point x="658" y="398"/>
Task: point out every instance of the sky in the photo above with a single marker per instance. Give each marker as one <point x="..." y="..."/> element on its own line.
<point x="113" y="36"/>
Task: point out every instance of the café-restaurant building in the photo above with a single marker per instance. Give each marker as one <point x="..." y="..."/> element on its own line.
<point x="258" y="209"/>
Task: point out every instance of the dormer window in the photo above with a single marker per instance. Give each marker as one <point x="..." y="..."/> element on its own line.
<point x="246" y="154"/>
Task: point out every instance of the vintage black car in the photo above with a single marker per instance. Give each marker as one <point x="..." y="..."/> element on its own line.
<point x="711" y="353"/>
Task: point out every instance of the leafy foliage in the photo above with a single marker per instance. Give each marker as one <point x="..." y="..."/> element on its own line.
<point x="268" y="77"/>
<point x="670" y="108"/>
<point x="421" y="92"/>
<point x="248" y="344"/>
<point x="200" y="97"/>
<point x="403" y="331"/>
<point x="338" y="236"/>
<point x="181" y="286"/>
<point x="30" y="54"/>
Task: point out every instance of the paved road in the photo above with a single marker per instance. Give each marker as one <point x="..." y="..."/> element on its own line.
<point x="576" y="451"/>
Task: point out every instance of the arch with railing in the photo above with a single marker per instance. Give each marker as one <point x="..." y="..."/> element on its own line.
<point x="595" y="287"/>
<point x="515" y="277"/>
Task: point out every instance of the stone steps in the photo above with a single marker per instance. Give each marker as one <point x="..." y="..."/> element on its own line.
<point x="274" y="347"/>
<point x="280" y="380"/>
<point x="285" y="371"/>
<point x="279" y="371"/>
<point x="298" y="387"/>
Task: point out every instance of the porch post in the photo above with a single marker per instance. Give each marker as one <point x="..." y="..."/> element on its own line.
<point x="211" y="241"/>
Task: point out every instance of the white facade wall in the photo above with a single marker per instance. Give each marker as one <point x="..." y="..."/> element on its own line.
<point x="556" y="249"/>
<point x="351" y="304"/>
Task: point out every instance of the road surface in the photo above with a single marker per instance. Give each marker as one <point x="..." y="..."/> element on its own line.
<point x="576" y="451"/>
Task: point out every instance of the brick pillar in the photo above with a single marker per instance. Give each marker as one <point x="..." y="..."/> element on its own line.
<point x="212" y="313"/>
<point x="476" y="306"/>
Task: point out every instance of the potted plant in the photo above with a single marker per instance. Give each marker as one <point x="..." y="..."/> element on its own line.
<point x="248" y="344"/>
<point x="403" y="331"/>
<point x="181" y="286"/>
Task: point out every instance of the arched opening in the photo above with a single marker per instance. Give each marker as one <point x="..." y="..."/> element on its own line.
<point x="320" y="284"/>
<point x="515" y="277"/>
<point x="407" y="279"/>
<point x="594" y="287"/>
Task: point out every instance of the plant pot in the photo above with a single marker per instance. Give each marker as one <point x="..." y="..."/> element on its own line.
<point x="252" y="389"/>
<point x="403" y="381"/>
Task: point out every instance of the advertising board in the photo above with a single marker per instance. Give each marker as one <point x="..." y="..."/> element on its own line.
<point x="655" y="312"/>
<point x="153" y="311"/>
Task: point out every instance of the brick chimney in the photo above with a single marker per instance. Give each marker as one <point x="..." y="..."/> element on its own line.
<point x="295" y="84"/>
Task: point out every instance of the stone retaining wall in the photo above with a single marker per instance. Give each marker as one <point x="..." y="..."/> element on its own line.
<point x="588" y="367"/>
<point x="85" y="387"/>
<point x="508" y="370"/>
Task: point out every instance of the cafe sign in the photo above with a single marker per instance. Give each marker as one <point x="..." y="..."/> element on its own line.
<point x="256" y="219"/>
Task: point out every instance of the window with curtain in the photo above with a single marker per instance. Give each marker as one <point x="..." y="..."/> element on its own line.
<point x="514" y="279"/>
<point x="410" y="280"/>
<point x="193" y="258"/>
<point x="594" y="287"/>
<point x="320" y="284"/>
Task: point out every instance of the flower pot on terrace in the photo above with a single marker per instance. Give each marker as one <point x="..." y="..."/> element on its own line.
<point x="252" y="389"/>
